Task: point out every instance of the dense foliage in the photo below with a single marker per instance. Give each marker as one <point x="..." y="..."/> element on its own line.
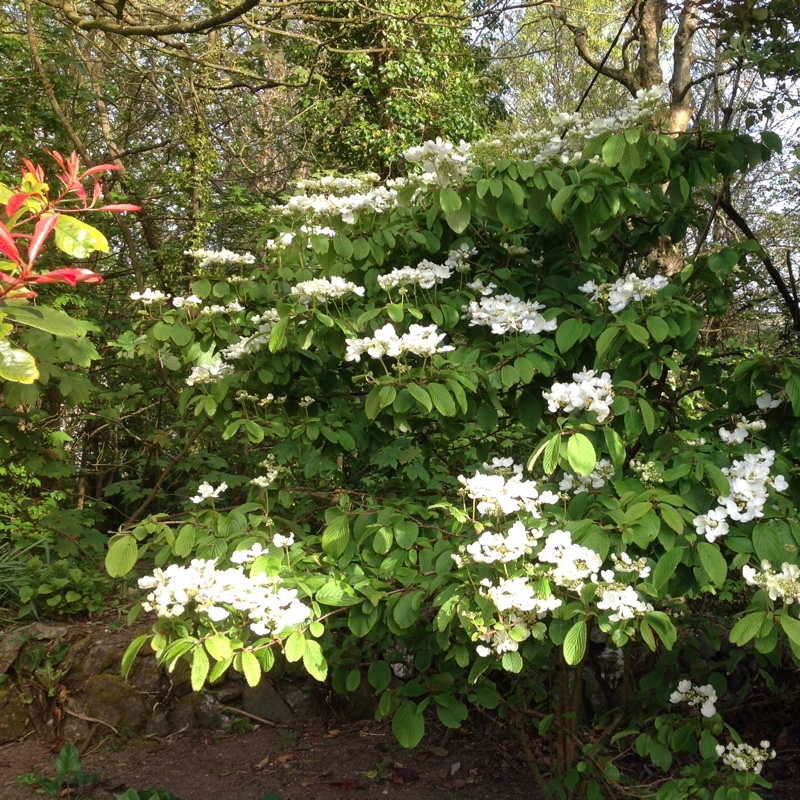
<point x="470" y="440"/>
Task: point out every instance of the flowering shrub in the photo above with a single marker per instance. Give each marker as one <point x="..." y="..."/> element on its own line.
<point x="472" y="448"/>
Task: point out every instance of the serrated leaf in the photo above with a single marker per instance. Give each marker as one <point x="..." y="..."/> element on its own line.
<point x="251" y="668"/>
<point x="568" y="333"/>
<point x="406" y="610"/>
<point x="672" y="518"/>
<point x="121" y="556"/>
<point x="512" y="662"/>
<point x="420" y="394"/>
<point x="459" y="220"/>
<point x="338" y="594"/>
<point x="379" y="675"/>
<point x="615" y="446"/>
<point x="442" y="399"/>
<point x="294" y="647"/>
<point x="791" y="627"/>
<point x="449" y="200"/>
<point x="336" y="536"/>
<point x="314" y="660"/>
<point x="219" y="647"/>
<point x="666" y="566"/>
<point x="277" y="337"/>
<point x="713" y="562"/>
<point x="575" y="643"/>
<point x="580" y="454"/>
<point x="659" y="329"/>
<point x="551" y="453"/>
<point x="200" y="668"/>
<point x="408" y="725"/>
<point x="648" y="416"/>
<point x="747" y="628"/>
<point x="613" y="149"/>
<point x="130" y="654"/>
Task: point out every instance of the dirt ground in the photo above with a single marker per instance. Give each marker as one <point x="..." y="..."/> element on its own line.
<point x="301" y="761"/>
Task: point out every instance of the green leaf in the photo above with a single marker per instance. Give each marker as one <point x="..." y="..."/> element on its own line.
<point x="613" y="149"/>
<point x="200" y="668"/>
<point x="219" y="647"/>
<point x="51" y="320"/>
<point x="420" y="394"/>
<point x="580" y="454"/>
<point x="294" y="647"/>
<point x="672" y="518"/>
<point x="16" y="365"/>
<point x="747" y="627"/>
<point x="406" y="610"/>
<point x="791" y="627"/>
<point x="666" y="566"/>
<point x="512" y="662"/>
<point x="659" y="329"/>
<point x="121" y="556"/>
<point x="713" y="562"/>
<point x="568" y="333"/>
<point x="406" y="533"/>
<point x="559" y="200"/>
<point x="77" y="239"/>
<point x="648" y="416"/>
<point x="338" y="594"/>
<point x="408" y="725"/>
<point x="130" y="654"/>
<point x="251" y="668"/>
<point x="449" y="200"/>
<point x="379" y="675"/>
<point x="575" y="643"/>
<point x="551" y="453"/>
<point x="615" y="446"/>
<point x="442" y="399"/>
<point x="314" y="660"/>
<point x="459" y="220"/>
<point x="277" y="337"/>
<point x="336" y="536"/>
<point x="342" y="245"/>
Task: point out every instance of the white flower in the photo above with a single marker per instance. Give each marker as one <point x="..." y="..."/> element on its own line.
<point x="504" y="312"/>
<point x="149" y="296"/>
<point x="278" y="540"/>
<point x="206" y="492"/>
<point x="587" y="392"/>
<point x="765" y="401"/>
<point x="323" y="289"/>
<point x="222" y="257"/>
<point x="783" y="585"/>
<point x="418" y="340"/>
<point x="209" y="373"/>
<point x="694" y="695"/>
<point x="744" y="757"/>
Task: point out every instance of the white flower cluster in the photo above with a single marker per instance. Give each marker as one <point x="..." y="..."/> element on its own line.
<point x="192" y="301"/>
<point x="458" y="258"/>
<point x="504" y="312"/>
<point x="622" y="599"/>
<point x="205" y="491"/>
<point x="623" y="290"/>
<point x="202" y="588"/>
<point x="566" y="137"/>
<point x="323" y="289"/>
<point x="492" y="546"/>
<point x="705" y="696"/>
<point x="596" y="479"/>
<point x="443" y="163"/>
<point x="231" y="308"/>
<point x="783" y="585"/>
<point x="515" y="249"/>
<point x="649" y="473"/>
<point x="209" y="373"/>
<point x="573" y="563"/>
<point x="426" y="275"/>
<point x="224" y="257"/>
<point x="419" y="340"/>
<point x="748" y="481"/>
<point x="498" y="639"/>
<point x="744" y="757"/>
<point x="251" y="344"/>
<point x="742" y="430"/>
<point x="587" y="392"/>
<point x="375" y="199"/>
<point x="149" y="296"/>
<point x="279" y="540"/>
<point x="505" y="494"/>
<point x="518" y="595"/>
<point x="339" y="184"/>
<point x="625" y="564"/>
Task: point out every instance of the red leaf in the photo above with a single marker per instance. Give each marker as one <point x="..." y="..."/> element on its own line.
<point x="70" y="275"/>
<point x="57" y="157"/>
<point x="98" y="168"/>
<point x="7" y="246"/>
<point x="42" y="230"/>
<point x="119" y="207"/>
<point x="14" y="202"/>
